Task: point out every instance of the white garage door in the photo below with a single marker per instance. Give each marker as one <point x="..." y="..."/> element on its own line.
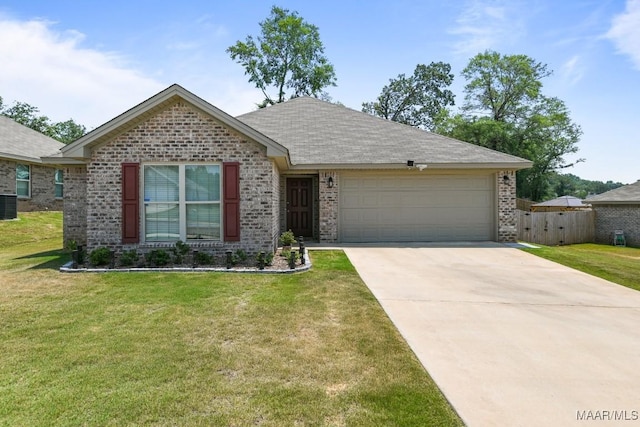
<point x="405" y="208"/>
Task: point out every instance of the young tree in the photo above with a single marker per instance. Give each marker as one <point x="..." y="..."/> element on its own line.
<point x="505" y="110"/>
<point x="28" y="116"/>
<point x="288" y="55"/>
<point x="66" y="132"/>
<point x="415" y="100"/>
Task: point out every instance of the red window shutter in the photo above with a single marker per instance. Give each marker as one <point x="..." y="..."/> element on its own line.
<point x="231" y="200"/>
<point x="130" y="203"/>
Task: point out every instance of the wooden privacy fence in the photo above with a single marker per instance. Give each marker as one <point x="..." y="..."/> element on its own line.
<point x="556" y="228"/>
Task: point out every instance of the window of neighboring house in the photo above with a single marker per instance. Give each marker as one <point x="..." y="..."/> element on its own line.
<point x="181" y="202"/>
<point x="23" y="180"/>
<point x="58" y="180"/>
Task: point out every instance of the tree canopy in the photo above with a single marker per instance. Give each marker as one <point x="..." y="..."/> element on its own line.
<point x="29" y="116"/>
<point x="287" y="55"/>
<point x="572" y="185"/>
<point x="505" y="110"/>
<point x="415" y="100"/>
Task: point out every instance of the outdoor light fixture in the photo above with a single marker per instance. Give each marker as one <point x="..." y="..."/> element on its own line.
<point x="506" y="178"/>
<point x="330" y="182"/>
<point x="410" y="163"/>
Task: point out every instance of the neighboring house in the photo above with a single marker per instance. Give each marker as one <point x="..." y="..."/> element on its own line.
<point x="38" y="186"/>
<point x="618" y="209"/>
<point x="176" y="167"/>
<point x="561" y="204"/>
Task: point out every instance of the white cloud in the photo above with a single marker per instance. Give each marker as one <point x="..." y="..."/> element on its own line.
<point x="487" y="24"/>
<point x="625" y="32"/>
<point x="52" y="70"/>
<point x="49" y="69"/>
<point x="572" y="70"/>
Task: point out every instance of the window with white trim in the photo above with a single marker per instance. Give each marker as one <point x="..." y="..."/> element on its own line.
<point x="58" y="180"/>
<point x="181" y="202"/>
<point x="23" y="180"/>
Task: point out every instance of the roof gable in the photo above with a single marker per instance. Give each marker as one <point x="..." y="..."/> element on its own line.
<point x="19" y="142"/>
<point x="627" y="194"/>
<point x="321" y="133"/>
<point x="81" y="148"/>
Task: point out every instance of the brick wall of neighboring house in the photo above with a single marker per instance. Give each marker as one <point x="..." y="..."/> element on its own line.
<point x="507" y="226"/>
<point x="618" y="217"/>
<point x="43" y="196"/>
<point x="328" y="206"/>
<point x="7" y="176"/>
<point x="183" y="135"/>
<point x="75" y="205"/>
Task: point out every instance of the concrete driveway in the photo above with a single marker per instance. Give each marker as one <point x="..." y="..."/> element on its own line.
<point x="510" y="338"/>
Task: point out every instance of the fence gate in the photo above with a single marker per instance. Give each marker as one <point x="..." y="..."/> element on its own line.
<point x="556" y="228"/>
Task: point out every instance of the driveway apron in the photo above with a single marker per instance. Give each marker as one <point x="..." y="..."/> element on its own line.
<point x="512" y="339"/>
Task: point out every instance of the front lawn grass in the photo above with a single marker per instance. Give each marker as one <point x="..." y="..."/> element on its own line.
<point x="201" y="348"/>
<point x="614" y="263"/>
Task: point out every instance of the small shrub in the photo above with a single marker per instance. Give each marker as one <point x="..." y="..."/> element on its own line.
<point x="158" y="257"/>
<point x="241" y="255"/>
<point x="129" y="258"/>
<point x="268" y="258"/>
<point x="260" y="260"/>
<point x="180" y="250"/>
<point x="285" y="253"/>
<point x="287" y="238"/>
<point x="203" y="258"/>
<point x="100" y="256"/>
<point x="71" y="245"/>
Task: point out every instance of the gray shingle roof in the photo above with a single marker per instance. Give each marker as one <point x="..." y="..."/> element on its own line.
<point x="563" y="201"/>
<point x="18" y="142"/>
<point x="321" y="133"/>
<point x="628" y="194"/>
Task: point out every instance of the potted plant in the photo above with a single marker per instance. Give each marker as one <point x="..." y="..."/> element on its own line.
<point x="287" y="239"/>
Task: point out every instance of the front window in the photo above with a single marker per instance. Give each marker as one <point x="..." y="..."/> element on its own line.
<point x="182" y="202"/>
<point x="23" y="180"/>
<point x="58" y="181"/>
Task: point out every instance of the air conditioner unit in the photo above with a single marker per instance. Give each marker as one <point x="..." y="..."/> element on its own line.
<point x="8" y="206"/>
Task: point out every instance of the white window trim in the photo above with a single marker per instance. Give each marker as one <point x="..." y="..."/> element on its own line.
<point x="20" y="196"/>
<point x="55" y="184"/>
<point x="182" y="202"/>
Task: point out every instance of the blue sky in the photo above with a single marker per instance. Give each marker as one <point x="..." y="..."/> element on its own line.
<point x="91" y="61"/>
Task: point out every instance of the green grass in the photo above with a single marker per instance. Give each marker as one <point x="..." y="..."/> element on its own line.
<point x="199" y="348"/>
<point x="614" y="263"/>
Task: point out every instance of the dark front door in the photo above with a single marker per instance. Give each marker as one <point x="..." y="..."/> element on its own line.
<point x="300" y="206"/>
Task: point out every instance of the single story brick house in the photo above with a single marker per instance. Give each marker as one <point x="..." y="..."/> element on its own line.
<point x="37" y="185"/>
<point x="618" y="209"/>
<point x="177" y="168"/>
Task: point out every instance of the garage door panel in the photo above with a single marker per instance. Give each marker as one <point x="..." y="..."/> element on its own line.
<point x="410" y="208"/>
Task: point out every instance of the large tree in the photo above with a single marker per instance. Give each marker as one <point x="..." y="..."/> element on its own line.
<point x="415" y="100"/>
<point x="29" y="116"/>
<point x="288" y="55"/>
<point x="505" y="110"/>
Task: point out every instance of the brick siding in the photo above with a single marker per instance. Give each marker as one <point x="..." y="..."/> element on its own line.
<point x="182" y="134"/>
<point x="75" y="205"/>
<point x="618" y="217"/>
<point x="328" y="206"/>
<point x="507" y="219"/>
